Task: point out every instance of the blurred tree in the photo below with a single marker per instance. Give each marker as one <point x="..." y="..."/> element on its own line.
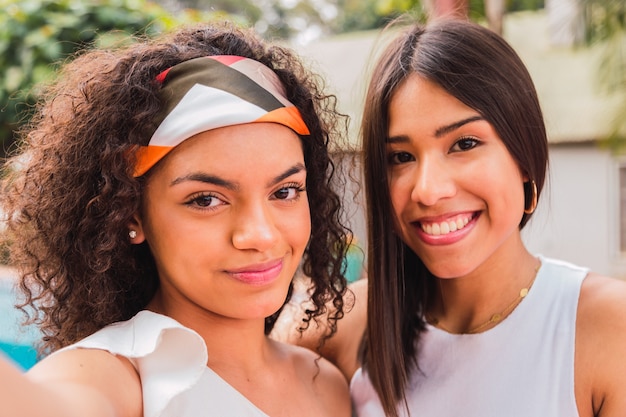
<point x="604" y="19"/>
<point x="371" y="14"/>
<point x="605" y="23"/>
<point x="304" y="20"/>
<point x="282" y="19"/>
<point x="36" y="35"/>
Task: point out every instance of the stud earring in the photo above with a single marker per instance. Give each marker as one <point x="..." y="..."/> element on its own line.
<point x="132" y="234"/>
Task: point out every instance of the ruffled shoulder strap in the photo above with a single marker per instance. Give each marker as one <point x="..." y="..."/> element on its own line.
<point x="169" y="357"/>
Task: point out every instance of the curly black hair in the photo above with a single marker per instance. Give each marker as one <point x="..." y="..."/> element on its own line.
<point x="69" y="193"/>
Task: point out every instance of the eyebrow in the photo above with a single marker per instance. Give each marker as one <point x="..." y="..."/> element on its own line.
<point x="440" y="131"/>
<point x="206" y="178"/>
<point x="231" y="185"/>
<point x="288" y="173"/>
<point x="453" y="126"/>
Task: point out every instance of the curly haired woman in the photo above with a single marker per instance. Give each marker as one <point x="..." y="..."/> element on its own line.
<point x="164" y="198"/>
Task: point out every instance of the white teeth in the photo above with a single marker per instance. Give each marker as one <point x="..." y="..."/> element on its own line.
<point x="443" y="228"/>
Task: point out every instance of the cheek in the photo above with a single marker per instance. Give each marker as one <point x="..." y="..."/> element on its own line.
<point x="306" y="229"/>
<point x="510" y="181"/>
<point x="399" y="194"/>
<point x="297" y="228"/>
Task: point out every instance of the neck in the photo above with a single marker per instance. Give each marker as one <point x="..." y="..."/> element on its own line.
<point x="480" y="300"/>
<point x="238" y="351"/>
<point x="235" y="344"/>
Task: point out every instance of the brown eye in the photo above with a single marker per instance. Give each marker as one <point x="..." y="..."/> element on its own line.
<point x="465" y="144"/>
<point x="289" y="192"/>
<point x="400" y="158"/>
<point x="284" y="193"/>
<point x="205" y="201"/>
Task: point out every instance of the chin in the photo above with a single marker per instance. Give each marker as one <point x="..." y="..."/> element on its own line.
<point x="269" y="306"/>
<point x="448" y="270"/>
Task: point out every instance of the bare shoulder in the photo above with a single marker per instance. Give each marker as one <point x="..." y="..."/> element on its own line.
<point x="91" y="380"/>
<point x="328" y="383"/>
<point x="343" y="346"/>
<point x="601" y="346"/>
<point x="602" y="304"/>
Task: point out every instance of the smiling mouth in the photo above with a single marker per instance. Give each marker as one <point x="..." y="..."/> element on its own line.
<point x="258" y="274"/>
<point x="443" y="228"/>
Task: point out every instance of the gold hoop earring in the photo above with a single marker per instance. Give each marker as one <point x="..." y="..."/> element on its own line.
<point x="533" y="204"/>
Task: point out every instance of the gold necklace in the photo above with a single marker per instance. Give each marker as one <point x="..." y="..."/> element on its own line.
<point x="496" y="317"/>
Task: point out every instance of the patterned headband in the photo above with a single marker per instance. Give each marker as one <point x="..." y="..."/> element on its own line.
<point x="211" y="92"/>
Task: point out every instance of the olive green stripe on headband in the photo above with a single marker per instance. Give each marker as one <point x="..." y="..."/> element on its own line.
<point x="213" y="73"/>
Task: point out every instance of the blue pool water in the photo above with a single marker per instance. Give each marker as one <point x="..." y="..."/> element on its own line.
<point x="16" y="341"/>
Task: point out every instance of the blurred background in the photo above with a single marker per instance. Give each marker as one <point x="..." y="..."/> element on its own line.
<point x="575" y="51"/>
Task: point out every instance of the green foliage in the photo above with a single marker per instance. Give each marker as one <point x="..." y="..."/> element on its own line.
<point x="37" y="35"/>
<point x="246" y="10"/>
<point x="286" y="19"/>
<point x="604" y="18"/>
<point x="371" y="14"/>
<point x="272" y="19"/>
<point x="517" y="5"/>
<point x="605" y="23"/>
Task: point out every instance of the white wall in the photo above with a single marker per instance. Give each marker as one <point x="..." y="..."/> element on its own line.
<point x="577" y="219"/>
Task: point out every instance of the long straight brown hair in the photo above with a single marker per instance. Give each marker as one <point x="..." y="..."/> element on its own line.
<point x="481" y="70"/>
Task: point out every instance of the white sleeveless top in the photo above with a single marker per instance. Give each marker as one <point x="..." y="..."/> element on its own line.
<point x="523" y="367"/>
<point x="171" y="361"/>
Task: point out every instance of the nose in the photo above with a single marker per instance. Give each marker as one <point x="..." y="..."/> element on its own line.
<point x="433" y="181"/>
<point x="254" y="228"/>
